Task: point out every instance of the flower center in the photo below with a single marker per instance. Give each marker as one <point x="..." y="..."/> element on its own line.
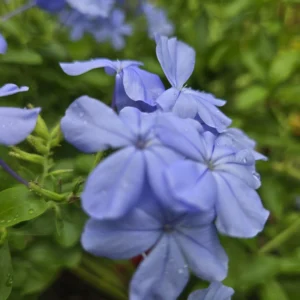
<point x="168" y="228"/>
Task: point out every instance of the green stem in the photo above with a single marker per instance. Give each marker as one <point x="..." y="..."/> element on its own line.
<point x="99" y="284"/>
<point x="281" y="238"/>
<point x="102" y="271"/>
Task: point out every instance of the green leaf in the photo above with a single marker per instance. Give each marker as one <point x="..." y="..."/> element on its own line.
<point x="283" y="65"/>
<point x="18" y="204"/>
<point x="258" y="270"/>
<point x="253" y="64"/>
<point x="6" y="272"/>
<point x="273" y="290"/>
<point x="251" y="97"/>
<point x="25" y="57"/>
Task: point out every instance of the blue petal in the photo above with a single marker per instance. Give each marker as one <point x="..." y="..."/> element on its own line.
<point x="92" y="8"/>
<point x="158" y="158"/>
<point x="167" y="99"/>
<point x="142" y="85"/>
<point x="186" y="106"/>
<point x="123" y="238"/>
<point x="80" y="67"/>
<point x="181" y="135"/>
<point x="203" y="251"/>
<point x="16" y="124"/>
<point x="216" y="291"/>
<point x="239" y="209"/>
<point x="140" y="124"/>
<point x="10" y="89"/>
<point x="3" y="44"/>
<point x="115" y="185"/>
<point x="121" y="99"/>
<point x="192" y="184"/>
<point x="176" y="59"/>
<point x="51" y="6"/>
<point x="208" y="112"/>
<point x="162" y="275"/>
<point x="92" y="126"/>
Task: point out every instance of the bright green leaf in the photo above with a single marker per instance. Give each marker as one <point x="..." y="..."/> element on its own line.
<point x="250" y="97"/>
<point x="18" y="204"/>
<point x="6" y="272"/>
<point x="25" y="57"/>
<point x="283" y="65"/>
<point x="272" y="290"/>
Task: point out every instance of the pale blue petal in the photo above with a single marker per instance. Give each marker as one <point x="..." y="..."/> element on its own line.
<point x="3" y="44"/>
<point x="92" y="126"/>
<point x="92" y="8"/>
<point x="80" y="67"/>
<point x="10" y="89"/>
<point x="239" y="209"/>
<point x="186" y="106"/>
<point x="203" y="251"/>
<point x="142" y="85"/>
<point x="167" y="99"/>
<point x="192" y="184"/>
<point x="16" y="124"/>
<point x="162" y="275"/>
<point x="176" y="58"/>
<point x="158" y="158"/>
<point x="216" y="291"/>
<point x="123" y="238"/>
<point x="115" y="185"/>
<point x="181" y="135"/>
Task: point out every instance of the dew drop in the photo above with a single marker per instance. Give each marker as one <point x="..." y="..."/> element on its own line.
<point x="180" y="271"/>
<point x="9" y="280"/>
<point x="8" y="221"/>
<point x="31" y="211"/>
<point x="245" y="160"/>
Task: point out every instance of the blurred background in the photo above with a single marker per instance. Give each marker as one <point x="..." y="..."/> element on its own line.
<point x="248" y="53"/>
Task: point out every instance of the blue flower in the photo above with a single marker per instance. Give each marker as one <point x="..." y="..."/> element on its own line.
<point x="113" y="29"/>
<point x="215" y="175"/>
<point x="133" y="87"/>
<point x="51" y="6"/>
<point x="157" y="20"/>
<point x="3" y="44"/>
<point x="216" y="291"/>
<point x="15" y="123"/>
<point x="178" y="61"/>
<point x="93" y="8"/>
<point x="115" y="185"/>
<point x="179" y="242"/>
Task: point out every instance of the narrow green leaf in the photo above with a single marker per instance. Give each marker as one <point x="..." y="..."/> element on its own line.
<point x="284" y="64"/>
<point x="6" y="272"/>
<point x="273" y="290"/>
<point x="18" y="204"/>
<point x="25" y="57"/>
<point x="250" y="97"/>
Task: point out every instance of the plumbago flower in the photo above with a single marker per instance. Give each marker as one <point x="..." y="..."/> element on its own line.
<point x="215" y="174"/>
<point x="116" y="184"/>
<point x="157" y="20"/>
<point x="178" y="242"/>
<point x="216" y="291"/>
<point x="178" y="61"/>
<point x="178" y="175"/>
<point x="3" y="44"/>
<point x="15" y="123"/>
<point x="51" y="6"/>
<point x="133" y="87"/>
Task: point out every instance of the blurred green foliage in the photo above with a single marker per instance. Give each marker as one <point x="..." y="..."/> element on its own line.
<point x="248" y="52"/>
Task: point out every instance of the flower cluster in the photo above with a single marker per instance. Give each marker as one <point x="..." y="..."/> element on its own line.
<point x="15" y="123"/>
<point x="103" y="19"/>
<point x="178" y="175"/>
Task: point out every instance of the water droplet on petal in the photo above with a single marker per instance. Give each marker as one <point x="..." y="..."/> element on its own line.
<point x="180" y="271"/>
